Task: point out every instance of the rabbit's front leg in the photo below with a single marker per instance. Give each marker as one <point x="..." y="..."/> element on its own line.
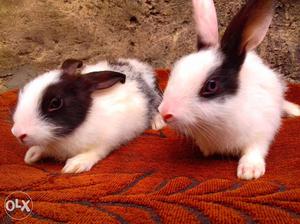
<point x="291" y="109"/>
<point x="34" y="154"/>
<point x="84" y="161"/>
<point x="252" y="164"/>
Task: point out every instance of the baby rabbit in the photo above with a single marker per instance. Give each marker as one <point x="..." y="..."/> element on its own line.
<point x="223" y="96"/>
<point x="83" y="117"/>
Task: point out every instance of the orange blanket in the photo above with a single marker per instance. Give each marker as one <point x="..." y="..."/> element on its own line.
<point x="158" y="178"/>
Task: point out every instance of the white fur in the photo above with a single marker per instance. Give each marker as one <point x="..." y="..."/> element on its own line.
<point x="117" y="115"/>
<point x="260" y="96"/>
<point x="147" y="73"/>
<point x="244" y="123"/>
<point x="249" y="118"/>
<point x="115" y="119"/>
<point x="100" y="66"/>
<point x="27" y="119"/>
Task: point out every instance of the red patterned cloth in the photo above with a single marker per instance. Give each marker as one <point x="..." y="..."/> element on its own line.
<point x="157" y="178"/>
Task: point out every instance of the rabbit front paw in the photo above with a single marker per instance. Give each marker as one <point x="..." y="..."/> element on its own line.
<point x="34" y="154"/>
<point x="80" y="163"/>
<point x="251" y="167"/>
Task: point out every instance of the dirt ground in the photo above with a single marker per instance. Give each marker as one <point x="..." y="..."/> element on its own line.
<point x="37" y="36"/>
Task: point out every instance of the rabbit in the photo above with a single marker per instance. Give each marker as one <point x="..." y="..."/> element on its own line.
<point x="80" y="117"/>
<point x="223" y="96"/>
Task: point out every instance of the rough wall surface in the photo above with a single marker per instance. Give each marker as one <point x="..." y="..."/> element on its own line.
<point x="38" y="35"/>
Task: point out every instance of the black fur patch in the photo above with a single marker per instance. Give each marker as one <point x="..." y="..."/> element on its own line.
<point x="227" y="76"/>
<point x="75" y="92"/>
<point x="234" y="45"/>
<point x="76" y="104"/>
<point x="234" y="54"/>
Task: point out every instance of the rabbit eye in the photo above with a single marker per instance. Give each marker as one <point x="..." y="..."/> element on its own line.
<point x="210" y="88"/>
<point x="55" y="104"/>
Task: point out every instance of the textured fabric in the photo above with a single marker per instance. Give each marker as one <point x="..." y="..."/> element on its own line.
<point x="157" y="178"/>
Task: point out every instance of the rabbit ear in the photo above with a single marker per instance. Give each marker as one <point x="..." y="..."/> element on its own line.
<point x="206" y="23"/>
<point x="248" y="28"/>
<point x="70" y="66"/>
<point x="102" y="80"/>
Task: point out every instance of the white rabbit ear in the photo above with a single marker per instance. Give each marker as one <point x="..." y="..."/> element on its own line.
<point x="248" y="28"/>
<point x="206" y="23"/>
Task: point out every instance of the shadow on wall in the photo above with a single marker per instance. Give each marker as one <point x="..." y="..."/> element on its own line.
<point x="38" y="36"/>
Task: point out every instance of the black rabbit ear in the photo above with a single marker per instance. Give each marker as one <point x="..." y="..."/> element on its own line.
<point x="70" y="66"/>
<point x="248" y="28"/>
<point x="103" y="79"/>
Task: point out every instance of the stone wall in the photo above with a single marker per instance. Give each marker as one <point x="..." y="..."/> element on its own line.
<point x="38" y="35"/>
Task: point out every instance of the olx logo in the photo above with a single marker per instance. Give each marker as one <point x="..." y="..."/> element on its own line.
<point x="18" y="205"/>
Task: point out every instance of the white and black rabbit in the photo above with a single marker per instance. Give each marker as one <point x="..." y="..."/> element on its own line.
<point x="223" y="96"/>
<point x="82" y="117"/>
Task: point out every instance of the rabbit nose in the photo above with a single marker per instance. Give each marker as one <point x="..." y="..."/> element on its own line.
<point x="22" y="137"/>
<point x="167" y="117"/>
